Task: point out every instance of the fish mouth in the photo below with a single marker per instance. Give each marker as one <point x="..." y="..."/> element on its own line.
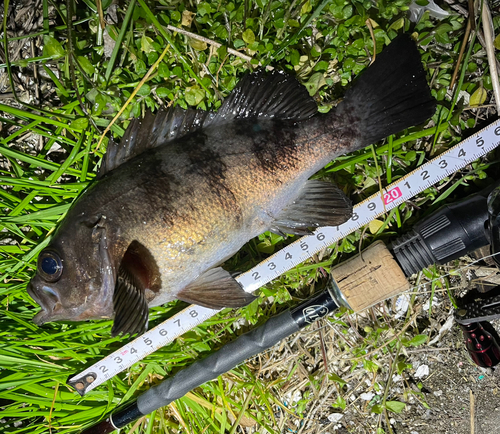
<point x="48" y="300"/>
<point x="41" y="317"/>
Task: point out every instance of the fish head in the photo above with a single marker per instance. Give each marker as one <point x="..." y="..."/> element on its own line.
<point x="75" y="277"/>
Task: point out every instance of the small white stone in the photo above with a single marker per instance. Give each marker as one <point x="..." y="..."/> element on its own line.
<point x="335" y="417"/>
<point x="438" y="392"/>
<point x="427" y="304"/>
<point x="422" y="371"/>
<point x="367" y="396"/>
<point x="293" y="399"/>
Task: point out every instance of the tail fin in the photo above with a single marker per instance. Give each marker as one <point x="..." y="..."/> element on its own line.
<point x="391" y="95"/>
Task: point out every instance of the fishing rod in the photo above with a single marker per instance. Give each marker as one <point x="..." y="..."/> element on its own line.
<point x="356" y="284"/>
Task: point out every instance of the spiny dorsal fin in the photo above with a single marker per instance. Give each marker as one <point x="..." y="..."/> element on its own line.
<point x="152" y="131"/>
<point x="259" y="95"/>
<point x="273" y="95"/>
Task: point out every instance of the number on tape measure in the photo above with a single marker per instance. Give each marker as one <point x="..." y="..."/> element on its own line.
<point x="392" y="195"/>
<point x="423" y="177"/>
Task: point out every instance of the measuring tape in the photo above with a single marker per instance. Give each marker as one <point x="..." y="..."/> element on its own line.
<point x="294" y="254"/>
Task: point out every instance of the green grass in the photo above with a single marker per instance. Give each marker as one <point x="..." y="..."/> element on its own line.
<point x="49" y="154"/>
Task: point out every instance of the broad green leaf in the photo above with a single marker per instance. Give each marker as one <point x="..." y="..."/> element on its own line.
<point x="147" y="44"/>
<point x="52" y="47"/>
<point x="315" y="82"/>
<point x="398" y="24"/>
<point x="140" y="67"/>
<point x="306" y="8"/>
<point x="395" y="406"/>
<point x="204" y="8"/>
<point x="201" y="346"/>
<point x="444" y="29"/>
<point x="194" y="95"/>
<point x="478" y="97"/>
<point x="162" y="92"/>
<point x="197" y="44"/>
<point x="337" y="379"/>
<point x="410" y="156"/>
<point x="265" y="246"/>
<point x="375" y="225"/>
<point x="187" y="18"/>
<point x="497" y="42"/>
<point x="145" y="90"/>
<point x="418" y="340"/>
<point x="370" y="366"/>
<point x="99" y="104"/>
<point x="248" y="36"/>
<point x="347" y="12"/>
<point x="401" y="366"/>
<point x="86" y="65"/>
<point x="339" y="403"/>
<point x="79" y="124"/>
<point x="163" y="70"/>
<point x="294" y="57"/>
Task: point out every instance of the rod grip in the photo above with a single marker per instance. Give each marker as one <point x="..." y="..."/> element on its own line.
<point x="225" y="359"/>
<point x="370" y="277"/>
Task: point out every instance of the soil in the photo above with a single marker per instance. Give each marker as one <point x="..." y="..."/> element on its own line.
<point x="458" y="393"/>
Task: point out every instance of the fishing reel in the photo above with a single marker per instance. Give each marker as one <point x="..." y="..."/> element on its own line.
<point x="482" y="304"/>
<point x="449" y="233"/>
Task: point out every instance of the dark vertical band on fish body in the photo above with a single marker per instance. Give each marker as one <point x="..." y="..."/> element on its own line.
<point x="209" y="164"/>
<point x="273" y="143"/>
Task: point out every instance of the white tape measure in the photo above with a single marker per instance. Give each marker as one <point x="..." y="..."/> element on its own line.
<point x="423" y="177"/>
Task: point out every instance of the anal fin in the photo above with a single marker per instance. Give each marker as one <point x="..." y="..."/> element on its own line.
<point x="215" y="289"/>
<point x="320" y="203"/>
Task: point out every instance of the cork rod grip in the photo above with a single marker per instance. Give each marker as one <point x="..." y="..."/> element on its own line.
<point x="370" y="277"/>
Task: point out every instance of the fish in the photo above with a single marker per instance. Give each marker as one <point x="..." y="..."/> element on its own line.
<point x="185" y="189"/>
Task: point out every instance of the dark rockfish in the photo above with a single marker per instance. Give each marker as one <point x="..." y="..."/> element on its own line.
<point x="185" y="189"/>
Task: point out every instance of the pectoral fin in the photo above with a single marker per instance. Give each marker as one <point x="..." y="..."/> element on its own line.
<point x="131" y="307"/>
<point x="215" y="289"/>
<point x="138" y="276"/>
<point x="320" y="203"/>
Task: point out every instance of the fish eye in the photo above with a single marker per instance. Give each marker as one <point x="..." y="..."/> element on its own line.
<point x="50" y="266"/>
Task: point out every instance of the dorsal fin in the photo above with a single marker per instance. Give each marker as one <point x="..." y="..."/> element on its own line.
<point x="259" y="95"/>
<point x="266" y="95"/>
<point x="152" y="131"/>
